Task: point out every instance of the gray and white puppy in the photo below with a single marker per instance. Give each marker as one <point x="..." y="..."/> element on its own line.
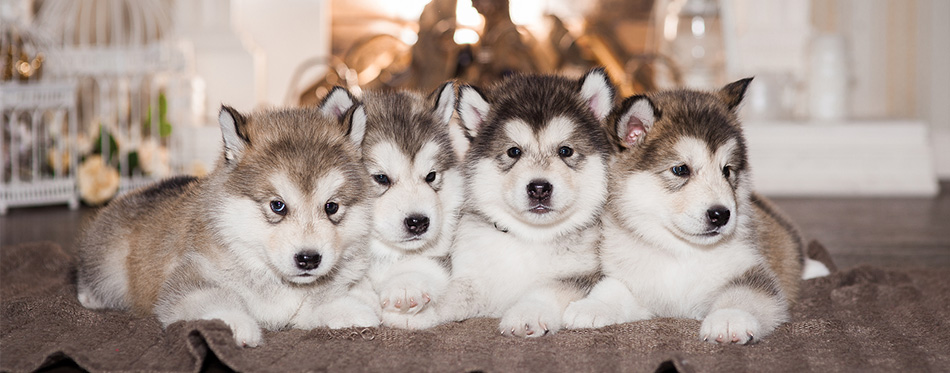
<point x="417" y="182"/>
<point x="274" y="237"/>
<point x="535" y="176"/>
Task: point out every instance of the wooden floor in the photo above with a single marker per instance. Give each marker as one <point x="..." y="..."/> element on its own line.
<point x="896" y="232"/>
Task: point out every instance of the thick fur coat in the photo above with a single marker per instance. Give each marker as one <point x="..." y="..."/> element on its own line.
<point x="684" y="235"/>
<point x="274" y="237"/>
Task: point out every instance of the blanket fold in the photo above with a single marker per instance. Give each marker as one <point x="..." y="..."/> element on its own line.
<point x="856" y="319"/>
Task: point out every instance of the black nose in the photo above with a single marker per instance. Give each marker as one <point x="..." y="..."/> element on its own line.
<point x="718" y="215"/>
<point x="540" y="190"/>
<point x="417" y="224"/>
<point x="307" y="260"/>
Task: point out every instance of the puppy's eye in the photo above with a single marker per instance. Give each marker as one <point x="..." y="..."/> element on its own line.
<point x="430" y="177"/>
<point x="278" y="207"/>
<point x="681" y="170"/>
<point x="565" y="152"/>
<point x="514" y="152"/>
<point x="331" y="208"/>
<point x="381" y="179"/>
<point x="726" y="171"/>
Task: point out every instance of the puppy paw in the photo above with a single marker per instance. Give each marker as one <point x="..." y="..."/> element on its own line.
<point x="351" y="315"/>
<point x="245" y="330"/>
<point x="730" y="325"/>
<point x="590" y="313"/>
<point x="405" y="294"/>
<point x="418" y="321"/>
<point x="530" y="320"/>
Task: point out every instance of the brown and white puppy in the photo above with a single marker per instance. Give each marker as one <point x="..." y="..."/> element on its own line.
<point x="274" y="237"/>
<point x="684" y="235"/>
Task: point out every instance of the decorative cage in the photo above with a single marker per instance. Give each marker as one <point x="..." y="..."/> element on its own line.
<point x="39" y="160"/>
<point x="128" y="84"/>
<point x="38" y="121"/>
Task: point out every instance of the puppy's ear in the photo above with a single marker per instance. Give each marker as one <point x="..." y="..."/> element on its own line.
<point x="337" y="102"/>
<point x="733" y="92"/>
<point x="355" y="121"/>
<point x="234" y="131"/>
<point x="635" y="119"/>
<point x="443" y="102"/>
<point x="598" y="92"/>
<point x="473" y="110"/>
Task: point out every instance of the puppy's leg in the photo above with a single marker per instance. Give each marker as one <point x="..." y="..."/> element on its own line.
<point x="208" y="304"/>
<point x="749" y="307"/>
<point x="461" y="300"/>
<point x="413" y="284"/>
<point x="356" y="308"/>
<point x="538" y="312"/>
<point x="609" y="302"/>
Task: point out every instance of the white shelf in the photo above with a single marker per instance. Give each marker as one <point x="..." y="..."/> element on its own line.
<point x="866" y="158"/>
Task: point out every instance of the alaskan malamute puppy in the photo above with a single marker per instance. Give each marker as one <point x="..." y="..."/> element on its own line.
<point x="536" y="183"/>
<point x="274" y="237"/>
<point x="415" y="176"/>
<point x="684" y="236"/>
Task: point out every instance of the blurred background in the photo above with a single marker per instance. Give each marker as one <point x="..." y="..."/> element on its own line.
<point x="850" y="97"/>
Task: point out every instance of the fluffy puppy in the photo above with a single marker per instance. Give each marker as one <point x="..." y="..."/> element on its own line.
<point x="274" y="237"/>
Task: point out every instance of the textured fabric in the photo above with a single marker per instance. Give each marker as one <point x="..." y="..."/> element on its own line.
<point x="864" y="318"/>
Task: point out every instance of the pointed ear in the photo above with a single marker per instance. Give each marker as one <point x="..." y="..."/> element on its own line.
<point x="356" y="125"/>
<point x="598" y="92"/>
<point x="234" y="131"/>
<point x="443" y="102"/>
<point x="337" y="102"/>
<point x="473" y="110"/>
<point x="636" y="119"/>
<point x="733" y="92"/>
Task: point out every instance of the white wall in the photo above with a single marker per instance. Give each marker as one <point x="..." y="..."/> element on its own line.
<point x="288" y="32"/>
<point x="933" y="78"/>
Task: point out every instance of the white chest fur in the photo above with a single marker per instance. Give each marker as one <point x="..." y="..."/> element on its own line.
<point x="677" y="280"/>
<point x="502" y="268"/>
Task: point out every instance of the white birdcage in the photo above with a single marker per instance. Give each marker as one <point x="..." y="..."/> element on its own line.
<point x="37" y="122"/>
<point x="38" y="119"/>
<point x="128" y="78"/>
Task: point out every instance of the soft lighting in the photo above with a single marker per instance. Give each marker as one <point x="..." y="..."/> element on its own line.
<point x="698" y="25"/>
<point x="669" y="26"/>
<point x="465" y="36"/>
<point x="466" y="15"/>
<point x="408" y="36"/>
<point x="408" y="10"/>
<point x="671" y="21"/>
<point x="526" y="12"/>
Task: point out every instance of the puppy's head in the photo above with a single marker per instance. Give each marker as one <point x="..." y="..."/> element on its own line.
<point x="293" y="201"/>
<point x="537" y="161"/>
<point x="412" y="167"/>
<point x="680" y="163"/>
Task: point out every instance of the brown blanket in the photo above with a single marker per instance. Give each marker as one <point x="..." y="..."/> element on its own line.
<point x="859" y="319"/>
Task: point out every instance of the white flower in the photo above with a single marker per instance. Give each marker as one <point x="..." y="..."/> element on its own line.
<point x="153" y="158"/>
<point x="98" y="182"/>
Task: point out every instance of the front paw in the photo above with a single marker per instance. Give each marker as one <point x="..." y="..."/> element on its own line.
<point x="530" y="320"/>
<point x="730" y="325"/>
<point x="590" y="313"/>
<point x="404" y="296"/>
<point x="244" y="329"/>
